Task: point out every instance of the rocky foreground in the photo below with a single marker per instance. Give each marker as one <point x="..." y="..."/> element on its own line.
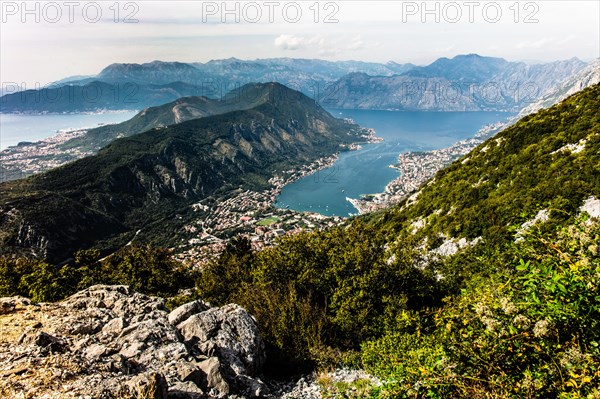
<point x="109" y="342"/>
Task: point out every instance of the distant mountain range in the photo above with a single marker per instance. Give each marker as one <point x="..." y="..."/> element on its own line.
<point x="95" y="96"/>
<point x="588" y="76"/>
<point x="295" y="73"/>
<point x="465" y="82"/>
<point x="146" y="179"/>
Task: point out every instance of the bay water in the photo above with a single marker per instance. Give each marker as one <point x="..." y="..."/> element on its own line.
<point x="367" y="170"/>
<point x="16" y="128"/>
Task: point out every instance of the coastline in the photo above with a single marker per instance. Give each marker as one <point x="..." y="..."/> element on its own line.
<point x="96" y="112"/>
<point x="30" y="156"/>
<point x="416" y="168"/>
<point x="243" y="213"/>
<point x="26" y="159"/>
<point x="370" y="138"/>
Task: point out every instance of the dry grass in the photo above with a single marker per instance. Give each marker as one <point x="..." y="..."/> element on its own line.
<point x="44" y="378"/>
<point x="14" y="324"/>
<point x="31" y="377"/>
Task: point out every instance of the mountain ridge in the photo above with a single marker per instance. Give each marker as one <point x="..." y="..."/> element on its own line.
<point x="325" y="81"/>
<point x="463" y="83"/>
<point x="146" y="177"/>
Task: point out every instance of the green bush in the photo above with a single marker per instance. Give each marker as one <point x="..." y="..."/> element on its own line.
<point x="330" y="289"/>
<point x="533" y="333"/>
<point x="144" y="268"/>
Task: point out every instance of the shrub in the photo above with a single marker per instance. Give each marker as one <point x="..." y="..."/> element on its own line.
<point x="146" y="269"/>
<point x="533" y="333"/>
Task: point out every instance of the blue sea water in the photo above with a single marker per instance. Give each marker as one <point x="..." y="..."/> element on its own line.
<point x="367" y="170"/>
<point x="17" y="128"/>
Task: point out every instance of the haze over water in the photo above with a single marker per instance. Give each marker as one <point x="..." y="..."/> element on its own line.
<point x="23" y="127"/>
<point x="367" y="171"/>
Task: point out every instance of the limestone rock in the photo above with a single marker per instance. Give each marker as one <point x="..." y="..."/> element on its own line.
<point x="185" y="390"/>
<point x="115" y="326"/>
<point x="45" y="341"/>
<point x="183" y="312"/>
<point x="108" y="341"/>
<point x="228" y="332"/>
<point x="9" y="304"/>
<point x="213" y="379"/>
<point x="187" y="371"/>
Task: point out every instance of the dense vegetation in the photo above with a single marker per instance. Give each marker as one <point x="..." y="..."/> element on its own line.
<point x="145" y="269"/>
<point x="514" y="313"/>
<point x="531" y="332"/>
<point x="500" y="318"/>
<point x="314" y="293"/>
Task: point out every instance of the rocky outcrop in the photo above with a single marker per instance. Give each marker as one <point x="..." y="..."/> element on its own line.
<point x="110" y="342"/>
<point x="588" y="76"/>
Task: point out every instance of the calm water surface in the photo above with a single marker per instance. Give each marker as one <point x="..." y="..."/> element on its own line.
<point x="367" y="170"/>
<point x="18" y="128"/>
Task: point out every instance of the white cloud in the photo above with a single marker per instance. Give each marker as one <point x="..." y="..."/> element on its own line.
<point x="446" y="50"/>
<point x="356" y="44"/>
<point x="535" y="44"/>
<point x="290" y="42"/>
<point x="566" y="39"/>
<point x="321" y="45"/>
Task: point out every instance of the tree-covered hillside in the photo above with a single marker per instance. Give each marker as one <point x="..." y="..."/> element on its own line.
<point x="511" y="310"/>
<point x="181" y="110"/>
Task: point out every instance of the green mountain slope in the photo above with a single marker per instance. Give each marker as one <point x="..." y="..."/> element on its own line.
<point x="180" y="110"/>
<point x="549" y="160"/>
<point x="410" y="293"/>
<point x="142" y="179"/>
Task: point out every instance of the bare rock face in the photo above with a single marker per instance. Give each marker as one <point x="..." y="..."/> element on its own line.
<point x="110" y="342"/>
<point x="228" y="332"/>
<point x="183" y="312"/>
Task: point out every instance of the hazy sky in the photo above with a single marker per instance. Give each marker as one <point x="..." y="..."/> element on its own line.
<point x="47" y="41"/>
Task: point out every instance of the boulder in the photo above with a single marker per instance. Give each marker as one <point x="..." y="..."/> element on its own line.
<point x="213" y="379"/>
<point x="114" y="326"/>
<point x="7" y="305"/>
<point x="228" y="332"/>
<point x="183" y="312"/>
<point x="185" y="390"/>
<point x="45" y="341"/>
<point x="189" y="372"/>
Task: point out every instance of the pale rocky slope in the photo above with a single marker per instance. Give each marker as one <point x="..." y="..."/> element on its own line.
<point x="109" y="342"/>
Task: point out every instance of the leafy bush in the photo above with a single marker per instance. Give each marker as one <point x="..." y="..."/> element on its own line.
<point x="331" y="289"/>
<point x="533" y="333"/>
<point x="147" y="269"/>
<point x="144" y="268"/>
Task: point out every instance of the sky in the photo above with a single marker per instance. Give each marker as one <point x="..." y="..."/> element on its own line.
<point x="41" y="42"/>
